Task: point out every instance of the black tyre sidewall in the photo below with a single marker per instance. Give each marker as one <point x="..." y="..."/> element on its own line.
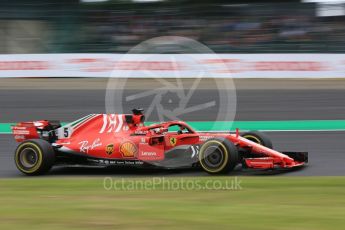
<point x="259" y="138"/>
<point x="229" y="162"/>
<point x="45" y="153"/>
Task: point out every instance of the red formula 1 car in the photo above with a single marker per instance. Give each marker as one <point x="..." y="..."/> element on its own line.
<point x="123" y="139"/>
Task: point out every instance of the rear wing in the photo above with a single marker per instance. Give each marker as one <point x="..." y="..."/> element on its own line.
<point x="42" y="129"/>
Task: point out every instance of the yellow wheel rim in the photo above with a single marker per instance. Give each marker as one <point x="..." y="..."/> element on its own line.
<point x="32" y="146"/>
<point x="201" y="156"/>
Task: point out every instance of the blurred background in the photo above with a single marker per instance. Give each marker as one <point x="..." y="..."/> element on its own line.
<point x="286" y="59"/>
<point x="106" y="26"/>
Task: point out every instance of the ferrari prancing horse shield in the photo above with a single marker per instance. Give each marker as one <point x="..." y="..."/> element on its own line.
<point x="173" y="141"/>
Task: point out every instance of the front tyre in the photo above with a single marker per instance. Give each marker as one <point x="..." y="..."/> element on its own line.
<point x="218" y="156"/>
<point x="258" y="138"/>
<point x="34" y="157"/>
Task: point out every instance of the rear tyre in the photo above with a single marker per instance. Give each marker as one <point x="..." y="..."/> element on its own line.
<point x="259" y="138"/>
<point x="34" y="157"/>
<point x="218" y="156"/>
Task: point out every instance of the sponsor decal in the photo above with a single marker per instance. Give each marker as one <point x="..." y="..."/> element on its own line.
<point x="18" y="137"/>
<point x="111" y="123"/>
<point x="18" y="127"/>
<point x="288" y="66"/>
<point x="148" y="154"/>
<point x="173" y="141"/>
<point x="149" y="65"/>
<point x="140" y="132"/>
<point x="85" y="146"/>
<point x="116" y="162"/>
<point x="21" y="132"/>
<point x="109" y="149"/>
<point x="242" y="66"/>
<point x="24" y="65"/>
<point x="128" y="149"/>
<point x="205" y="138"/>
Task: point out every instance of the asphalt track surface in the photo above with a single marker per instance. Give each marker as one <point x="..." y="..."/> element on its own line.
<point x="252" y="105"/>
<point x="326" y="152"/>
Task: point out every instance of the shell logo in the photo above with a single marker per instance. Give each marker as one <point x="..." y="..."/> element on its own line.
<point x="128" y="149"/>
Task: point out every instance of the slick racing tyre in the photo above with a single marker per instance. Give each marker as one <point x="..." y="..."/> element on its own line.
<point x="259" y="138"/>
<point x="218" y="156"/>
<point x="34" y="157"/>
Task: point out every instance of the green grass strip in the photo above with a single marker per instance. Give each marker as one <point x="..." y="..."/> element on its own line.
<point x="262" y="203"/>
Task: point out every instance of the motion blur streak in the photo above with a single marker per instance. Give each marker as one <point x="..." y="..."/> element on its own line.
<point x="66" y="26"/>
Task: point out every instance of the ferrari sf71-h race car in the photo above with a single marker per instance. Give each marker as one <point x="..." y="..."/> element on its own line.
<point x="123" y="139"/>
